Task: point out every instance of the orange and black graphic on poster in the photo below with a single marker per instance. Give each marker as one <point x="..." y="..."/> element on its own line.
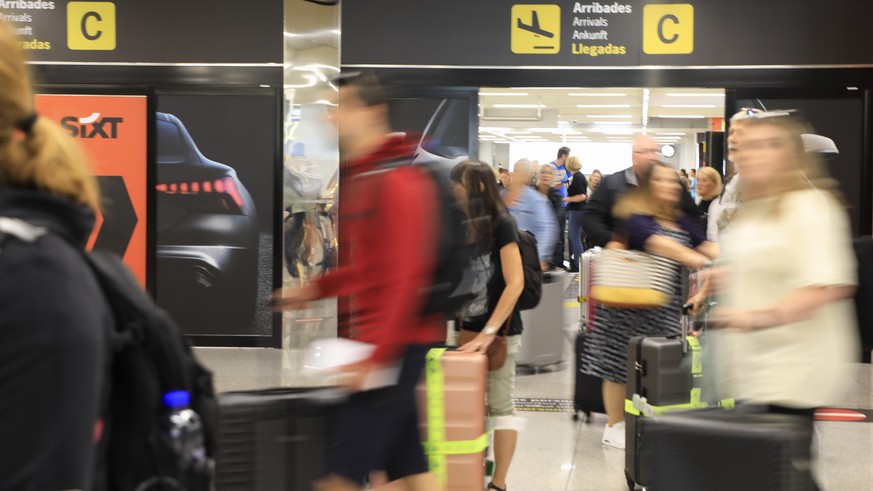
<point x="112" y="132"/>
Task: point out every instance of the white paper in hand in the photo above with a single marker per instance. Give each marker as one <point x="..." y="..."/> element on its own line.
<point x="324" y="357"/>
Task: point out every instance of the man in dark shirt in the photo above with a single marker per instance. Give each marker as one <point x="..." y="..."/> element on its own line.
<point x="598" y="221"/>
<point x="562" y="179"/>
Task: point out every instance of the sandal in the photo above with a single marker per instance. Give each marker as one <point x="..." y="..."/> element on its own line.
<point x="495" y="488"/>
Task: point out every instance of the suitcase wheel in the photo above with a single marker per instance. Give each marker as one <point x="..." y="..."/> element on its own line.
<point x="631" y="485"/>
<point x="586" y="414"/>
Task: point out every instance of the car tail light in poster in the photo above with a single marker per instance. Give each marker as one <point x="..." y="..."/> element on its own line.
<point x="112" y="131"/>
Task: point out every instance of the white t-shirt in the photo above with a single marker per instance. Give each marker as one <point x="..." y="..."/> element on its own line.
<point x="807" y="244"/>
<point x="726" y="204"/>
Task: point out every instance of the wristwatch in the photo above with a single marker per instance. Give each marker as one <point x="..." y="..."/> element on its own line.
<point x="490" y="330"/>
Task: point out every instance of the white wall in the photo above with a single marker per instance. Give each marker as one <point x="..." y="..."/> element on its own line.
<point x="607" y="157"/>
<point x="486" y="152"/>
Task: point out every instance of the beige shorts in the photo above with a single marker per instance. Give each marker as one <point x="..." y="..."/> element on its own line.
<point x="501" y="383"/>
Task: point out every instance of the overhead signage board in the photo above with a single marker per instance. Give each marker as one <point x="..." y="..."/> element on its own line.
<point x="154" y="31"/>
<point x="623" y="33"/>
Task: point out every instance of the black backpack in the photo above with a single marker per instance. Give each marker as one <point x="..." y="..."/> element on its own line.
<point x="452" y="284"/>
<point x="149" y="357"/>
<point x="533" y="273"/>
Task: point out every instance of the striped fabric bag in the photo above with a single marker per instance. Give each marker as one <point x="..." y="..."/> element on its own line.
<point x="633" y="279"/>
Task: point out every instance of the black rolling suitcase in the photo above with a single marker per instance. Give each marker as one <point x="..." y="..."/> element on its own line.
<point x="588" y="395"/>
<point x="273" y="439"/>
<point x="663" y="374"/>
<point x="864" y="253"/>
<point x="717" y="450"/>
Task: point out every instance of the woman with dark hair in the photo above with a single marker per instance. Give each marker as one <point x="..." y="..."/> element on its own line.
<point x="499" y="283"/>
<point x="651" y="222"/>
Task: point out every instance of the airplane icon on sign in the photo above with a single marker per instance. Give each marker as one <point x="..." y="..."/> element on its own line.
<point x="534" y="26"/>
<point x="536" y="29"/>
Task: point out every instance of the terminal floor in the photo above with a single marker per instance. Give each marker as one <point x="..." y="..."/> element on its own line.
<point x="554" y="452"/>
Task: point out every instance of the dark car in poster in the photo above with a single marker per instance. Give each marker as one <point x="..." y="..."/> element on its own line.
<point x="207" y="240"/>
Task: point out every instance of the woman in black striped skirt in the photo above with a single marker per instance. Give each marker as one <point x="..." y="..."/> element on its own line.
<point x="651" y="222"/>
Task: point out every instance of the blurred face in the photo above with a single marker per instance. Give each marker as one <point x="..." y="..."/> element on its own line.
<point x="665" y="185"/>
<point x="546" y="177"/>
<point x="705" y="186"/>
<point x="352" y="117"/>
<point x="504" y="179"/>
<point x="521" y="178"/>
<point x="460" y="193"/>
<point x="594" y="181"/>
<point x="645" y="154"/>
<point x="734" y="135"/>
<point x="764" y="153"/>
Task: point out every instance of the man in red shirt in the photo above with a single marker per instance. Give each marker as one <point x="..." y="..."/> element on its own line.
<point x="389" y="219"/>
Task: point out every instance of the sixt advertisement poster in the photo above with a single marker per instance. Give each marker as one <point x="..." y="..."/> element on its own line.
<point x="112" y="131"/>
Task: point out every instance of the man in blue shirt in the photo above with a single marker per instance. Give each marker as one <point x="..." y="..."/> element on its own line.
<point x="562" y="181"/>
<point x="532" y="210"/>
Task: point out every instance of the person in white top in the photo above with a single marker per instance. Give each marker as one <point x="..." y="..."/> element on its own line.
<point x="787" y="330"/>
<point x="722" y="210"/>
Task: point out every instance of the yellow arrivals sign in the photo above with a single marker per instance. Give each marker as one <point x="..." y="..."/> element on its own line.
<point x="536" y="29"/>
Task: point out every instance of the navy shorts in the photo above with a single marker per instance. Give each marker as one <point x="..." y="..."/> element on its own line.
<point x="378" y="430"/>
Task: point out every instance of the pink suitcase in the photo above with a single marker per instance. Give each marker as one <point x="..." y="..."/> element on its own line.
<point x="463" y="405"/>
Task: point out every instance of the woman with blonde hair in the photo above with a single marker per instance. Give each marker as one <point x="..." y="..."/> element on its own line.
<point x="53" y="316"/>
<point x="708" y="189"/>
<point x="651" y="221"/>
<point x="788" y="334"/>
<point x="577" y="196"/>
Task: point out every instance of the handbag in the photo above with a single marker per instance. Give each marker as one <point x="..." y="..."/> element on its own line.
<point x="633" y="279"/>
<point x="496" y="352"/>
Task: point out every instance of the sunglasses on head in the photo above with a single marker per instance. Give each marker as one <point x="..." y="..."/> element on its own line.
<point x="755" y="113"/>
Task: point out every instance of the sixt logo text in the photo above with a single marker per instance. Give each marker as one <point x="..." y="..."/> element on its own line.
<point x="92" y="127"/>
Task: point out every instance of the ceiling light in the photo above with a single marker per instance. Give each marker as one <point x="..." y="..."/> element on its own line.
<point x="494" y="128"/>
<point x="690" y="106"/>
<point x="852" y="88"/>
<point x="602" y="106"/>
<point x="504" y="94"/>
<point x="596" y="94"/>
<point x="680" y="116"/>
<point x="609" y="116"/>
<point x="696" y="94"/>
<point x="519" y="106"/>
<point x="671" y="134"/>
<point x="516" y="132"/>
<point x="545" y="88"/>
<point x="612" y="122"/>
